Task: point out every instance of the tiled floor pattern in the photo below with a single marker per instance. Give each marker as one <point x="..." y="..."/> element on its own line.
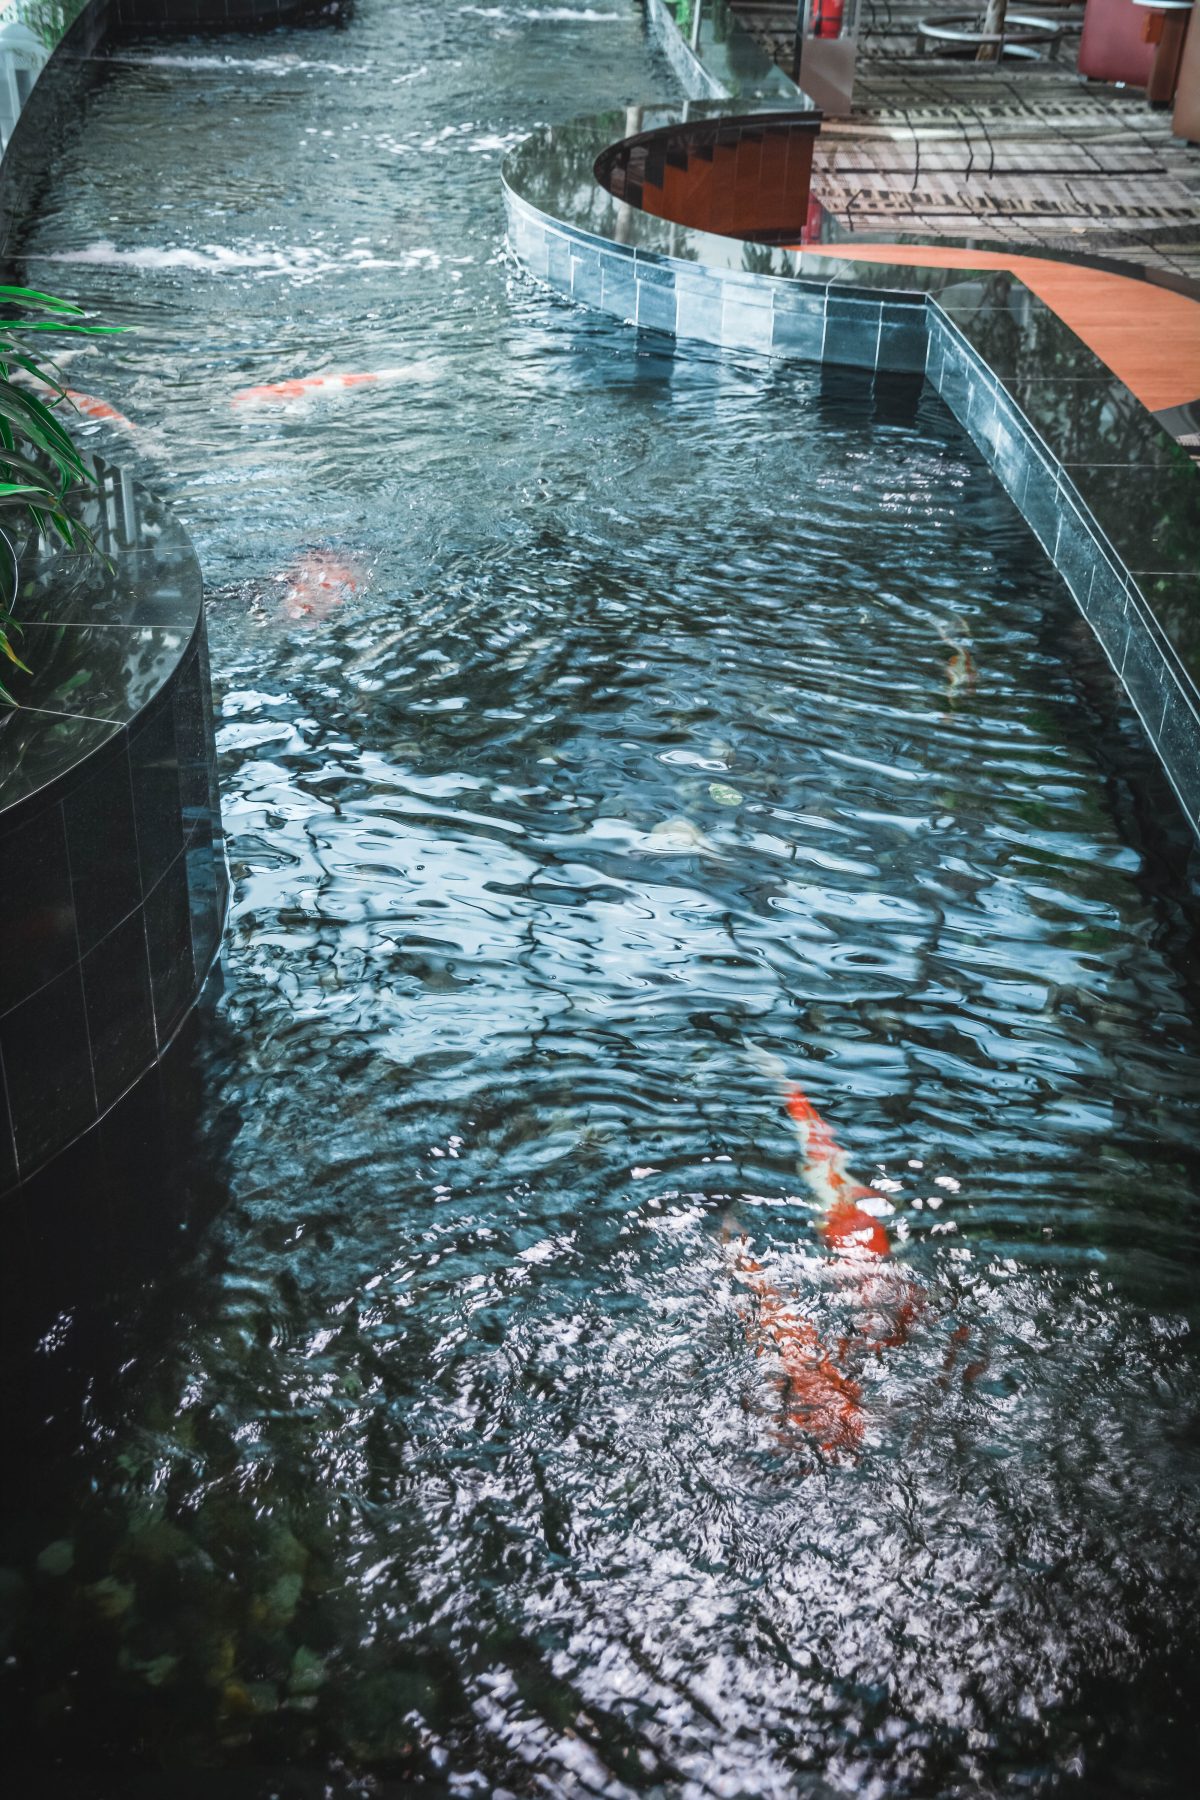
<point x="1025" y="155"/>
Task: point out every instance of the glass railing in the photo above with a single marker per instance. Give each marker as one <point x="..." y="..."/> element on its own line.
<point x="30" y="31"/>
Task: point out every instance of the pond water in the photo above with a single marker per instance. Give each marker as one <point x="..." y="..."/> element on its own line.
<point x="612" y="734"/>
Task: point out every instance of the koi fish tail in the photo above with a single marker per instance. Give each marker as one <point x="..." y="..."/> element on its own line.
<point x="91" y="408"/>
<point x="817" y="1398"/>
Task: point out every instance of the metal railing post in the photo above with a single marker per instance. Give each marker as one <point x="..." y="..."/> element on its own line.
<point x="697" y="11"/>
<point x="801" y="8"/>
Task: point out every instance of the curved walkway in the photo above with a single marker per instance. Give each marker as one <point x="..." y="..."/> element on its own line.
<point x="1149" y="336"/>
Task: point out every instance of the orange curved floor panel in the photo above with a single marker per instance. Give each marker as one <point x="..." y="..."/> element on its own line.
<point x="1148" y="336"/>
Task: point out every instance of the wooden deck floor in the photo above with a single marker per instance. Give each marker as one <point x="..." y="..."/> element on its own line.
<point x="1033" y="157"/>
<point x="1147" y="335"/>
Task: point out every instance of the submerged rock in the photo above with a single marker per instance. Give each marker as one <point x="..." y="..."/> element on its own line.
<point x="679" y="837"/>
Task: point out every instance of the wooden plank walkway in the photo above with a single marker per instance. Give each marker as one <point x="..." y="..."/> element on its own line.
<point x="1028" y="156"/>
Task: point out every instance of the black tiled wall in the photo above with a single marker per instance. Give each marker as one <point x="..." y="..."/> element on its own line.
<point x="1149" y="656"/>
<point x="116" y="896"/>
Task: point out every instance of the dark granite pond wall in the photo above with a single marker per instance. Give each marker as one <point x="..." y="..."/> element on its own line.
<point x="212" y="15"/>
<point x="110" y="833"/>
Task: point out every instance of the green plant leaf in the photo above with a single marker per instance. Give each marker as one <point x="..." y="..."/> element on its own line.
<point x="79" y="330"/>
<point x="10" y="489"/>
<point x="7" y="649"/>
<point x="35" y="447"/>
<point x="23" y="296"/>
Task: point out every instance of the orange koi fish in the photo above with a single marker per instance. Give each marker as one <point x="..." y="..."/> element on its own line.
<point x="857" y="1236"/>
<point x="961" y="673"/>
<point x="821" y="1397"/>
<point x="842" y="1223"/>
<point x="304" y="387"/>
<point x="98" y="409"/>
<point x="87" y="404"/>
<point x="317" y="584"/>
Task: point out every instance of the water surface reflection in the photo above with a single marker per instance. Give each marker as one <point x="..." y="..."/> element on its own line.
<point x="667" y="713"/>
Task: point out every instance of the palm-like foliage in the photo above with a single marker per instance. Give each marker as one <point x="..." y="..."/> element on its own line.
<point x="40" y="467"/>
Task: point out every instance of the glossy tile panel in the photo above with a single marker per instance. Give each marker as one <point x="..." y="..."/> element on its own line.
<point x="1091" y="519"/>
<point x="110" y="828"/>
<point x="781" y="315"/>
<point x="40" y="939"/>
<point x="98" y="814"/>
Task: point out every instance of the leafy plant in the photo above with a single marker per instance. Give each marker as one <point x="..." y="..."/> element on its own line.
<point x="40" y="468"/>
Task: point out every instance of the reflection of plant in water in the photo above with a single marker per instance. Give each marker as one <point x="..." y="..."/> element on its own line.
<point x="49" y="20"/>
<point x="39" y="465"/>
<point x="758" y="259"/>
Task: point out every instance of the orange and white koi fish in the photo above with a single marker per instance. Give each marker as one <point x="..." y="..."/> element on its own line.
<point x="92" y="408"/>
<point x="305" y="387"/>
<point x="961" y="673"/>
<point x="87" y="404"/>
<point x="821" y="1397"/>
<point x="317" y="584"/>
<point x="842" y="1223"/>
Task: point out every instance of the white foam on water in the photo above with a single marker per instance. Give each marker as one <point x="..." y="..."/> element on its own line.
<point x="564" y="14"/>
<point x="219" y="259"/>
<point x="257" y="65"/>
<point x="496" y="141"/>
<point x="212" y="259"/>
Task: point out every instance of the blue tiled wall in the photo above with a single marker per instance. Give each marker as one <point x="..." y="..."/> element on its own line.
<point x="727" y="307"/>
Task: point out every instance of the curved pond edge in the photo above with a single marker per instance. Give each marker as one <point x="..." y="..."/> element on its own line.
<point x="110" y="824"/>
<point x="1111" y="497"/>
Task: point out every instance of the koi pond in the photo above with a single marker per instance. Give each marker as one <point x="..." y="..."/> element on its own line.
<point x="625" y="748"/>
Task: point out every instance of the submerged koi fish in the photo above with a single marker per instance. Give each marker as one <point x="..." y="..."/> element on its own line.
<point x="304" y="387"/>
<point x="820" y="1400"/>
<point x="961" y="672"/>
<point x="87" y="404"/>
<point x="317" y="584"/>
<point x="821" y="1397"/>
<point x="98" y="409"/>
<point x="842" y="1222"/>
